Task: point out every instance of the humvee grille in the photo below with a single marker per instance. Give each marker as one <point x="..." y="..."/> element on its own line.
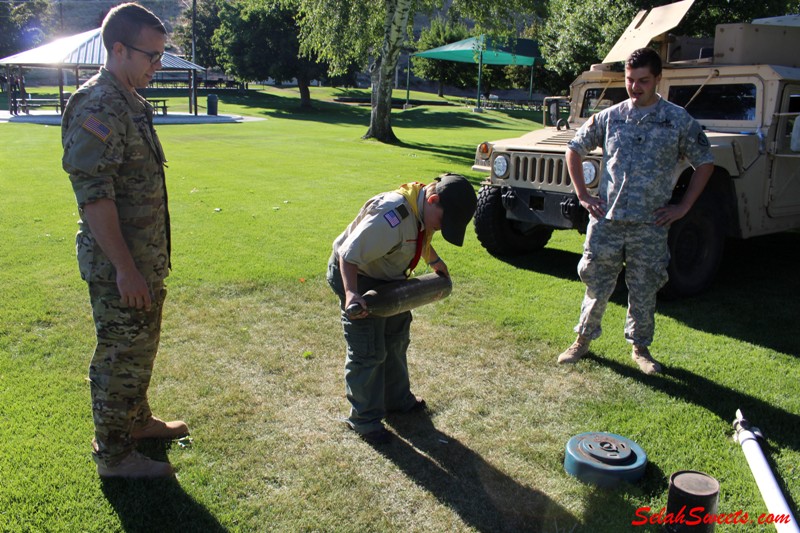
<point x="540" y="170"/>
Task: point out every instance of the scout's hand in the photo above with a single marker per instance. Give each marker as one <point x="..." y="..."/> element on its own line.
<point x="440" y="267"/>
<point x="355" y="307"/>
<point x="133" y="290"/>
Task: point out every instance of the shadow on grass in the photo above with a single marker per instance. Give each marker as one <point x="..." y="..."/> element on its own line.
<point x="485" y="498"/>
<point x="157" y="504"/>
<point x="779" y="425"/>
<point x="753" y="299"/>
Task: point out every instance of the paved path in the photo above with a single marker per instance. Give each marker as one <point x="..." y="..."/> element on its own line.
<point x="54" y="119"/>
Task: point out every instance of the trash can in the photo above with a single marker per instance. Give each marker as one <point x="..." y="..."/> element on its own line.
<point x="212" y="104"/>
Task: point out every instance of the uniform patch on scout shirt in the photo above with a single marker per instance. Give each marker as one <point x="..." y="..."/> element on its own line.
<point x="392" y="218"/>
<point x="96" y="128"/>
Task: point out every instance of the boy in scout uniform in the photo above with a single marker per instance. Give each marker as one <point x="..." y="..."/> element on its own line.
<point x="385" y="242"/>
<point x="643" y="139"/>
<point x="116" y="165"/>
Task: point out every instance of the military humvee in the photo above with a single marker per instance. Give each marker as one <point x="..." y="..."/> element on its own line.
<point x="744" y="89"/>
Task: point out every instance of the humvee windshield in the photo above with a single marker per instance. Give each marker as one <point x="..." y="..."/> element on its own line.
<point x="611" y="96"/>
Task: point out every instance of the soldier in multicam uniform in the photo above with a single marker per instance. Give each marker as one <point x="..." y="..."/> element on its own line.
<point x="116" y="165"/>
<point x="643" y="139"/>
<point x="391" y="233"/>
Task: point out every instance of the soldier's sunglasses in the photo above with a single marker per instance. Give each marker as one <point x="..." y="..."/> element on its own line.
<point x="155" y="57"/>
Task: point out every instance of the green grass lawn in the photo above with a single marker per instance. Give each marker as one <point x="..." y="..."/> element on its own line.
<point x="252" y="351"/>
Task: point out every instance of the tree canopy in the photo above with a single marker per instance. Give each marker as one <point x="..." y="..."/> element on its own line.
<point x="257" y="39"/>
<point x="24" y="25"/>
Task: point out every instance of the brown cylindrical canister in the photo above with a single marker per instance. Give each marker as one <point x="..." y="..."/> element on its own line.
<point x="692" y="495"/>
<point x="399" y="296"/>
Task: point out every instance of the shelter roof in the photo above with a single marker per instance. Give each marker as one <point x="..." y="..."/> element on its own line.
<point x="82" y="50"/>
<point x="486" y="50"/>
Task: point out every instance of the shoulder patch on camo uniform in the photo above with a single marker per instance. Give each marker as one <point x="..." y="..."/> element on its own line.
<point x="96" y="128"/>
<point x="392" y="218"/>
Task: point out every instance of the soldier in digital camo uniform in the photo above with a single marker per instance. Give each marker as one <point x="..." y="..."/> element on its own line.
<point x="643" y="138"/>
<point x="116" y="165"/>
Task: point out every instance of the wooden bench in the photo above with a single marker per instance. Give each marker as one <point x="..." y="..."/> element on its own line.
<point x="159" y="104"/>
<point x="34" y="103"/>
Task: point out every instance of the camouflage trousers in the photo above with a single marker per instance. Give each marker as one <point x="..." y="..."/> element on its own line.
<point x="642" y="250"/>
<point x="120" y="370"/>
<point x="376" y="367"/>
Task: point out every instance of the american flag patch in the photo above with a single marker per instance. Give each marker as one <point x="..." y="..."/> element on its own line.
<point x="97" y="128"/>
<point x="392" y="218"/>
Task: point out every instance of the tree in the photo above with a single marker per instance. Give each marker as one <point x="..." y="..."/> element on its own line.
<point x="206" y="23"/>
<point x="440" y="33"/>
<point x="257" y="39"/>
<point x="23" y="25"/>
<point x="375" y="32"/>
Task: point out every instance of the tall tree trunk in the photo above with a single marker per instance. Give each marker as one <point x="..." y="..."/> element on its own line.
<point x="382" y="71"/>
<point x="305" y="93"/>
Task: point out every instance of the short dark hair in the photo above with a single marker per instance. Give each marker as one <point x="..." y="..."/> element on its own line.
<point x="124" y="23"/>
<point x="645" y="57"/>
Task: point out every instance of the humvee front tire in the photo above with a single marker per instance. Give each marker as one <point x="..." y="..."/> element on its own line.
<point x="501" y="236"/>
<point x="696" y="243"/>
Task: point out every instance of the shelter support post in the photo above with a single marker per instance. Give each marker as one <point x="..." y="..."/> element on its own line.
<point x="480" y="75"/>
<point x="408" y="81"/>
<point x="530" y="87"/>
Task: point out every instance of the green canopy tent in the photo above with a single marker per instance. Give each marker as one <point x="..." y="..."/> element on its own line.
<point x="484" y="50"/>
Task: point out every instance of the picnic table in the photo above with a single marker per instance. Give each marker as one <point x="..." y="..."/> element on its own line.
<point x="494" y="102"/>
<point x="34" y="103"/>
<point x="159" y="104"/>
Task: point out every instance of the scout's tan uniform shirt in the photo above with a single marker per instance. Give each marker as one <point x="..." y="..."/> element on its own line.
<point x="111" y="151"/>
<point x="382" y="239"/>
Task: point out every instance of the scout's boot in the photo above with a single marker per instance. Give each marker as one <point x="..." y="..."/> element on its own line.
<point x="155" y="428"/>
<point x="578" y="349"/>
<point x="648" y="365"/>
<point x="136" y="466"/>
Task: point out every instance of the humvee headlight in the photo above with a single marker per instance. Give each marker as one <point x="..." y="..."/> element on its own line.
<point x="590" y="173"/>
<point x="500" y="166"/>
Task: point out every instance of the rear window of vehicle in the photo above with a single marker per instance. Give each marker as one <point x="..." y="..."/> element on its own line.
<point x="717" y="102"/>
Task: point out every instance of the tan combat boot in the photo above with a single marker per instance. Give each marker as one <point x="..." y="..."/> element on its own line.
<point x="578" y="349"/>
<point x="648" y="365"/>
<point x="155" y="428"/>
<point x="136" y="466"/>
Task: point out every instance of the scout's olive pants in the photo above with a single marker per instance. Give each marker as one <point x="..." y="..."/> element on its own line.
<point x="642" y="248"/>
<point x="119" y="374"/>
<point x="376" y="368"/>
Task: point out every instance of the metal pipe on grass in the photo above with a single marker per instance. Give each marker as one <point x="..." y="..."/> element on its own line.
<point x="746" y="436"/>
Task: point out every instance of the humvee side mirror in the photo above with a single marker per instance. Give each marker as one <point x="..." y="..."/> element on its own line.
<point x="795" y="143"/>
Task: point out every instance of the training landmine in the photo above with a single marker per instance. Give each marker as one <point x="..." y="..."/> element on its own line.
<point x="399" y="296"/>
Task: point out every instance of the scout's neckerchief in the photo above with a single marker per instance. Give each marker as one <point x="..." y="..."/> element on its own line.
<point x="411" y="192"/>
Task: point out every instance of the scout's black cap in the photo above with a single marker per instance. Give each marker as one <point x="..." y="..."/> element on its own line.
<point x="458" y="200"/>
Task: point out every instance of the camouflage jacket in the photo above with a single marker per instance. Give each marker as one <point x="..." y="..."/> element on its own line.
<point x="640" y="153"/>
<point x="111" y="151"/>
